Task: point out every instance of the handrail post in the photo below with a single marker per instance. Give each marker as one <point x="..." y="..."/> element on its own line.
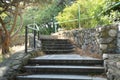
<point x="35" y="30"/>
<point x="26" y="38"/>
<point x="34" y="39"/>
<point x="79" y="16"/>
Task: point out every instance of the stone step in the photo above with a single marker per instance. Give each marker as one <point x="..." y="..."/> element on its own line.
<point x="52" y="41"/>
<point x="63" y="45"/>
<point x="58" y="77"/>
<point x="58" y="46"/>
<point x="67" y="61"/>
<point x="56" y="42"/>
<point x="58" y="51"/>
<point x="58" y="69"/>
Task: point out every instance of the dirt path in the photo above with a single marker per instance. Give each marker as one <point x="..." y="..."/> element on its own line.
<point x="13" y="50"/>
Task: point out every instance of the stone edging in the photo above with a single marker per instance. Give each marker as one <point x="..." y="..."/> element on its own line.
<point x="11" y="66"/>
<point x="112" y="65"/>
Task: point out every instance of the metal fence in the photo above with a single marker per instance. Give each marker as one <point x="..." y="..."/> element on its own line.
<point x="35" y="29"/>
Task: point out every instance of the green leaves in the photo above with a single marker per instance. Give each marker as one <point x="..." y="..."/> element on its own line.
<point x="91" y="14"/>
<point x="43" y="15"/>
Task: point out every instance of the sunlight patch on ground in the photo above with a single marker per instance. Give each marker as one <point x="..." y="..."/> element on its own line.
<point x="18" y="48"/>
<point x="3" y="70"/>
<point x="13" y="50"/>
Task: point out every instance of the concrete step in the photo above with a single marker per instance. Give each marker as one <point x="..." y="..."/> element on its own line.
<point x="66" y="59"/>
<point x="60" y="64"/>
<point x="58" y="69"/>
<point x="58" y="51"/>
<point x="58" y="47"/>
<point x="63" y="45"/>
<point x="78" y="62"/>
<point x="58" y="77"/>
<point x="55" y="41"/>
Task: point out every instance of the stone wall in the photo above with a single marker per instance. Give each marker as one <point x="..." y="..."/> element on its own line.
<point x="10" y="67"/>
<point x="84" y="39"/>
<point x="112" y="64"/>
<point x="107" y="39"/>
<point x="112" y="61"/>
<point x="104" y="40"/>
<point x="31" y="42"/>
<point x="118" y="39"/>
<point x="99" y="40"/>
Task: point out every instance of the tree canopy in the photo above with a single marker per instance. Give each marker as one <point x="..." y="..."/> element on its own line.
<point x="44" y="16"/>
<point x="11" y="20"/>
<point x="92" y="13"/>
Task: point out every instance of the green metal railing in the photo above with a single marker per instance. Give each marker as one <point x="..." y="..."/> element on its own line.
<point x="34" y="27"/>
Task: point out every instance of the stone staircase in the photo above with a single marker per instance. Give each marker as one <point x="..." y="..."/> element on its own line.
<point x="60" y="63"/>
<point x="57" y="46"/>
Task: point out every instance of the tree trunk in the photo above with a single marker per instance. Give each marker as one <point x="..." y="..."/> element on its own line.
<point x="5" y="38"/>
<point x="5" y="43"/>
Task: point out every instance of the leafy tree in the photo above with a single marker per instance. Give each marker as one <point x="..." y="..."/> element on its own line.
<point x="92" y="13"/>
<point x="11" y="19"/>
<point x="10" y="10"/>
<point x="45" y="15"/>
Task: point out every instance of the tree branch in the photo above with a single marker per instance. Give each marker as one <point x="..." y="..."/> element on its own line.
<point x="21" y="25"/>
<point x="15" y="19"/>
<point x="3" y="25"/>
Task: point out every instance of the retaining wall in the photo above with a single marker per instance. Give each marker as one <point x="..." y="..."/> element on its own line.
<point x="102" y="40"/>
<point x="10" y="67"/>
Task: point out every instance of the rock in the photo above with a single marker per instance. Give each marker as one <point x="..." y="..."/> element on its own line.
<point x="84" y="47"/>
<point x="15" y="67"/>
<point x="101" y="29"/>
<point x="3" y="70"/>
<point x="105" y="40"/>
<point x="19" y="56"/>
<point x="3" y="78"/>
<point x="118" y="64"/>
<point x="118" y="35"/>
<point x="105" y="56"/>
<point x="103" y="46"/>
<point x="110" y="71"/>
<point x="112" y="32"/>
<point x="9" y="67"/>
<point x="38" y="44"/>
<point x="118" y="44"/>
<point x="31" y="43"/>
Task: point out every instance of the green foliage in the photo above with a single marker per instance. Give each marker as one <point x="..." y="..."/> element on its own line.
<point x="46" y="30"/>
<point x="43" y="16"/>
<point x="69" y="13"/>
<point x="48" y="13"/>
<point x="91" y="14"/>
